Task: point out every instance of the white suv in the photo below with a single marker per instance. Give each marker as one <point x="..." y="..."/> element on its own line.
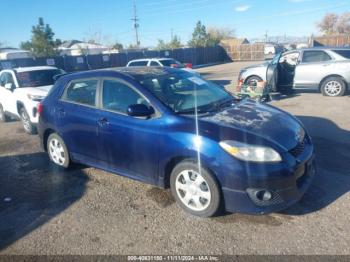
<point x="21" y="90"/>
<point x="170" y="62"/>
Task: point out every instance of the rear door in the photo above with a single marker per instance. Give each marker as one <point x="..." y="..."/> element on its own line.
<point x="127" y="144"/>
<point x="77" y="118"/>
<point x="272" y="73"/>
<point x="314" y="66"/>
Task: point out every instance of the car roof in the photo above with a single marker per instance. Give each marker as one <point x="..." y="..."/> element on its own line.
<point x="137" y="72"/>
<point x="150" y="59"/>
<point x="33" y="68"/>
<point x="324" y="48"/>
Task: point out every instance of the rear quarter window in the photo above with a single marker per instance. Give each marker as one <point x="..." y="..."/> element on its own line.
<point x="138" y="63"/>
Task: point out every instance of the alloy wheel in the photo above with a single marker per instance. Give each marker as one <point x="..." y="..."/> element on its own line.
<point x="333" y="88"/>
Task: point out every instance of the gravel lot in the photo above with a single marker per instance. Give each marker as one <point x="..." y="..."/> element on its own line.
<point x="89" y="211"/>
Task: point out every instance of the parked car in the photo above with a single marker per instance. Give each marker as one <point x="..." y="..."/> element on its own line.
<point x="21" y="89"/>
<point x="326" y="69"/>
<point x="162" y="62"/>
<point x="166" y="127"/>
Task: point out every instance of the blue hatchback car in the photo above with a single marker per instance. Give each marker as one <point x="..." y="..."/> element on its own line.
<point x="170" y="128"/>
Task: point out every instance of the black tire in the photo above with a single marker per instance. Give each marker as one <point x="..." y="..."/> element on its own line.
<point x="337" y="81"/>
<point x="253" y="79"/>
<point x="3" y="117"/>
<point x="64" y="164"/>
<point x="210" y="183"/>
<point x="27" y="125"/>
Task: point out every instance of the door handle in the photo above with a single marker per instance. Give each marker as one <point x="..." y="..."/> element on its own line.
<point x="103" y="122"/>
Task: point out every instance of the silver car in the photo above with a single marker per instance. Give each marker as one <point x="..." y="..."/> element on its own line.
<point x="327" y="69"/>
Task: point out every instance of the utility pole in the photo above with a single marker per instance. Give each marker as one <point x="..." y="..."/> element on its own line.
<point x="266" y="35"/>
<point x="136" y="24"/>
<point x="172" y="34"/>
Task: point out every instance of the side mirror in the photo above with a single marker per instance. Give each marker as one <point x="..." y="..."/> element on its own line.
<point x="9" y="86"/>
<point x="140" y="110"/>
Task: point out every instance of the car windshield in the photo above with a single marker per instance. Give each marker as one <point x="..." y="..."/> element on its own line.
<point x="171" y="63"/>
<point x="183" y="92"/>
<point x="37" y="78"/>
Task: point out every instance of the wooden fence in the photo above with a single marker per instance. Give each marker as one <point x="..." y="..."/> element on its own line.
<point x="244" y="52"/>
<point x="332" y="41"/>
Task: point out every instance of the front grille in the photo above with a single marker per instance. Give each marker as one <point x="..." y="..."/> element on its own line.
<point x="299" y="148"/>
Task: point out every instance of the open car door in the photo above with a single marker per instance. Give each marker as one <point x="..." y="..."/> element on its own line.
<point x="272" y="73"/>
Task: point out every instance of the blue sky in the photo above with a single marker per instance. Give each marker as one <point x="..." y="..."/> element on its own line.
<point x="109" y="20"/>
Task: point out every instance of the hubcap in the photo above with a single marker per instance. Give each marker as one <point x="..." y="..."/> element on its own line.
<point x="25" y="121"/>
<point x="333" y="88"/>
<point x="57" y="152"/>
<point x="193" y="190"/>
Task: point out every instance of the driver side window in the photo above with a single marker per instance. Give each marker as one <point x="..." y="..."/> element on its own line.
<point x="6" y="78"/>
<point x="118" y="96"/>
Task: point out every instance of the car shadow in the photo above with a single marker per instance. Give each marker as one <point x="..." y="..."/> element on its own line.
<point x="332" y="149"/>
<point x="33" y="191"/>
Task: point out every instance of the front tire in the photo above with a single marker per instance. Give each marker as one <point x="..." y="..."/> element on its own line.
<point x="57" y="150"/>
<point x="27" y="125"/>
<point x="3" y="117"/>
<point x="333" y="86"/>
<point x="195" y="189"/>
<point x="253" y="80"/>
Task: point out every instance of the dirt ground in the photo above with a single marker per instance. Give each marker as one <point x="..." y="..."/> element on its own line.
<point x="88" y="211"/>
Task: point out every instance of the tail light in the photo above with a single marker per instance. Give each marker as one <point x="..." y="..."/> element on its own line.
<point x="188" y="65"/>
<point x="40" y="108"/>
<point x="174" y="65"/>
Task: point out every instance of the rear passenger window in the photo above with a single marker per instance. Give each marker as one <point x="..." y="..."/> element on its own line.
<point x="154" y="63"/>
<point x="117" y="96"/>
<point x="138" y="63"/>
<point x="81" y="92"/>
<point x="315" y="56"/>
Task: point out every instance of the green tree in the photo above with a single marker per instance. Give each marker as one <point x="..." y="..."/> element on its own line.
<point x="175" y="42"/>
<point x="42" y="42"/>
<point x="199" y="36"/>
<point x="118" y="46"/>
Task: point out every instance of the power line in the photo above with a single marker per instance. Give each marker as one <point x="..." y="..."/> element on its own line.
<point x="136" y="24"/>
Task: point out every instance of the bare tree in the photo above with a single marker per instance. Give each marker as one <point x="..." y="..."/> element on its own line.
<point x="328" y="24"/>
<point x="343" y="24"/>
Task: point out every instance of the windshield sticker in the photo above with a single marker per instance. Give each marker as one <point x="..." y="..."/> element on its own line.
<point x="197" y="80"/>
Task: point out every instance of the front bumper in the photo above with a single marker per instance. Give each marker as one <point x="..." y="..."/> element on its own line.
<point x="245" y="201"/>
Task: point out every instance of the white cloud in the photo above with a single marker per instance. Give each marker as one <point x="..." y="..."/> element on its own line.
<point x="242" y="8"/>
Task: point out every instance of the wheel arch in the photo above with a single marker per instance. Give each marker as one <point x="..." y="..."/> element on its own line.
<point x="333" y="75"/>
<point x="254" y="75"/>
<point x="46" y="135"/>
<point x="19" y="105"/>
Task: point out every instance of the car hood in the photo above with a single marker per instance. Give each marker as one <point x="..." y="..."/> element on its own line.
<point x="40" y="90"/>
<point x="265" y="64"/>
<point x="262" y="121"/>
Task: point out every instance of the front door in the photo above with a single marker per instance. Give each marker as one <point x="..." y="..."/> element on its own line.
<point x="272" y="74"/>
<point x="8" y="98"/>
<point x="127" y="144"/>
<point x="78" y="118"/>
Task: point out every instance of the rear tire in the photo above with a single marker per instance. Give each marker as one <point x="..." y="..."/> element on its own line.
<point x="27" y="125"/>
<point x="195" y="189"/>
<point x="57" y="150"/>
<point x="3" y="117"/>
<point x="333" y="86"/>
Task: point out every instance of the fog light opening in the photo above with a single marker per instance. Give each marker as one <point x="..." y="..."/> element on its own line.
<point x="263" y="195"/>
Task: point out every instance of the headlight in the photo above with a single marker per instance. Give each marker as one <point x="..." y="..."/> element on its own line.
<point x="250" y="152"/>
<point x="35" y="97"/>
